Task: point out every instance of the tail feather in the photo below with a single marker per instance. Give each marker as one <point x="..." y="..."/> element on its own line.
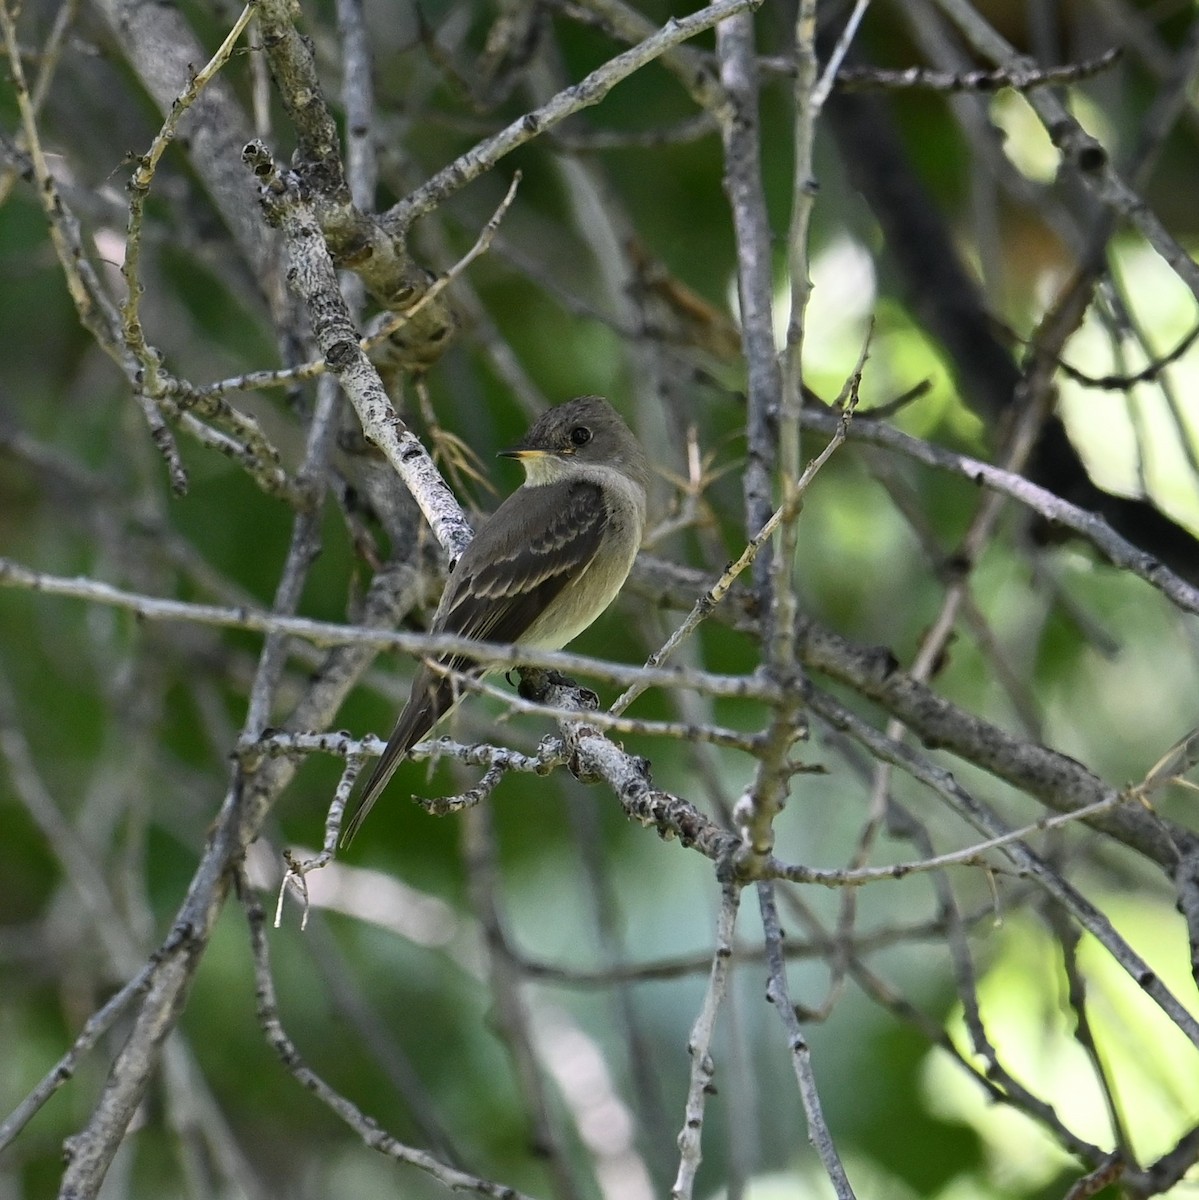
<point x="431" y="698"/>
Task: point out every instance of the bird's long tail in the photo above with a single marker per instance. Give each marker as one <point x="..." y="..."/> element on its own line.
<point x="432" y="697"/>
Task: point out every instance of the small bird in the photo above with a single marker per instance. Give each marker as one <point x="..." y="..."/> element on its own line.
<point x="549" y="560"/>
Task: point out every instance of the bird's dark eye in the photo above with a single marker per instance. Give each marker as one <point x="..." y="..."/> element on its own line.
<point x="580" y="435"/>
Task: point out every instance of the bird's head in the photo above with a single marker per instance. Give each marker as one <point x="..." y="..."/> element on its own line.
<point x="584" y="432"/>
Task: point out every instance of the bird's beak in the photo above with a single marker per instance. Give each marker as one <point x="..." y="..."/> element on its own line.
<point x="522" y="453"/>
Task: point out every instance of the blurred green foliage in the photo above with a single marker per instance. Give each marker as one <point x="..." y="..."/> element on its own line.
<point x="131" y="724"/>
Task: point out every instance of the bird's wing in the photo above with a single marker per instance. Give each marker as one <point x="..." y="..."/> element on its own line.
<point x="514" y="568"/>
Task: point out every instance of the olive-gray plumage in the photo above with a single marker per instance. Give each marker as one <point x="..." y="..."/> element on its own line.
<point x="549" y="560"/>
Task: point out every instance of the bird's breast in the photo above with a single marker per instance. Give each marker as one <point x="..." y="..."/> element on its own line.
<point x="591" y="591"/>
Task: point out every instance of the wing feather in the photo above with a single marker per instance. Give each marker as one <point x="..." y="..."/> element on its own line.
<point x="514" y="569"/>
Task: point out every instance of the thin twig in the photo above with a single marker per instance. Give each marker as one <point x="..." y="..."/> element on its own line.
<point x="96" y="1026"/>
<point x="982" y="818"/>
<point x="591" y="89"/>
<point x="139" y="191"/>
<point x="1117" y="550"/>
<point x="324" y="633"/>
<point x="856" y="79"/>
<point x="699" y="1045"/>
<point x="711" y="599"/>
<point x="371" y="1133"/>
<point x="778" y="993"/>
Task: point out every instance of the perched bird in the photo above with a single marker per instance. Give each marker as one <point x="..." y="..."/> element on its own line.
<point x="543" y="567"/>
